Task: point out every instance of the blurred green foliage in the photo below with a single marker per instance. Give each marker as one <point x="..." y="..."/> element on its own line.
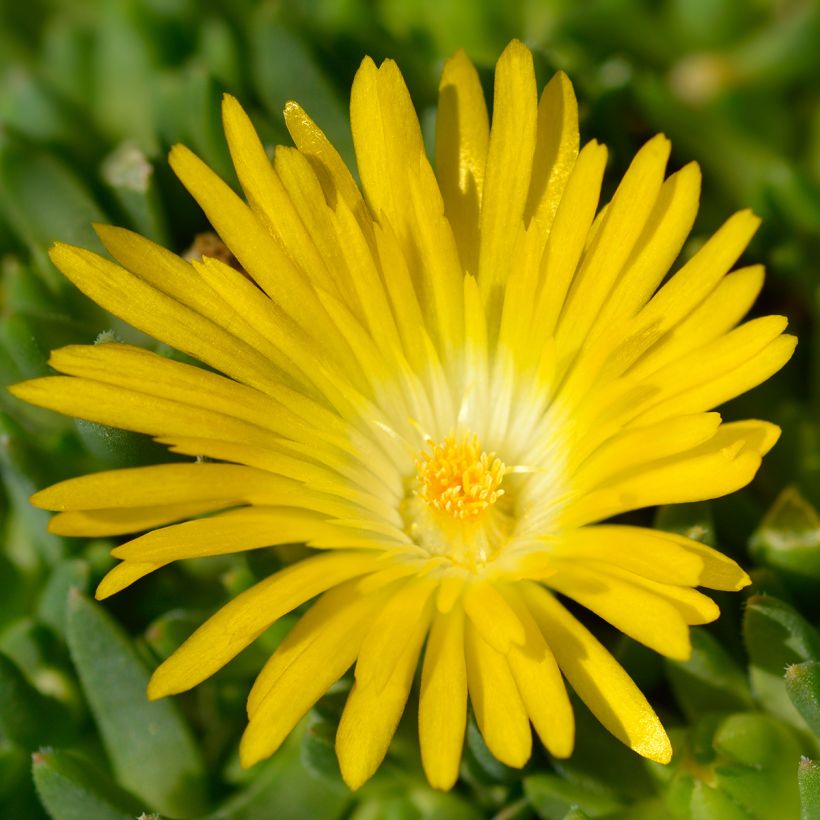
<point x="92" y="95"/>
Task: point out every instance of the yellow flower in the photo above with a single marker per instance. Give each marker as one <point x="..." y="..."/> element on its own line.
<point x="440" y="383"/>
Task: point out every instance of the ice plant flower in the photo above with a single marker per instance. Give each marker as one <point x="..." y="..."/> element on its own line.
<point x="441" y="383"/>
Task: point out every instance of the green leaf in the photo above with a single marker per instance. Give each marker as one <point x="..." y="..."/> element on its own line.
<point x="71" y="789"/>
<point x="552" y="797"/>
<point x="708" y="803"/>
<point x="808" y="779"/>
<point x="789" y="536"/>
<point x="710" y="681"/>
<point x="318" y="748"/>
<point x="27" y="716"/>
<point x="693" y="520"/>
<point x="130" y="175"/>
<point x="481" y="762"/>
<point x="283" y="68"/>
<point x="757" y="755"/>
<point x="43" y="201"/>
<point x="803" y="687"/>
<point x="71" y="573"/>
<point x="150" y="747"/>
<point x="283" y="788"/>
<point x="776" y="636"/>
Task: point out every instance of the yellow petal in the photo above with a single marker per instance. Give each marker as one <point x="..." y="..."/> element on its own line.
<point x="540" y="683"/>
<point x="267" y="195"/>
<point x="598" y="679"/>
<point x="332" y="172"/>
<point x="568" y="235"/>
<point x="166" y="319"/>
<point x="639" y="445"/>
<point x="509" y="166"/>
<point x="492" y="617"/>
<point x="724" y="463"/>
<point x="177" y="484"/>
<point x="631" y="608"/>
<point x="443" y="699"/>
<point x="656" y="248"/>
<point x="139" y="412"/>
<point x="386" y="136"/>
<point x="238" y="623"/>
<point x="232" y="531"/>
<point x="725" y="306"/>
<point x="314" y="655"/>
<point x="255" y="248"/>
<point x="392" y="630"/>
<point x="384" y="674"/>
<point x="556" y="148"/>
<point x="497" y="705"/>
<point x="625" y="221"/>
<point x="462" y="137"/>
<point x="659" y="556"/>
<point x="700" y="275"/>
<point x="119" y="521"/>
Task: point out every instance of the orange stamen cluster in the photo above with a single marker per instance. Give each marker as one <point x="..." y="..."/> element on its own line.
<point x="458" y="478"/>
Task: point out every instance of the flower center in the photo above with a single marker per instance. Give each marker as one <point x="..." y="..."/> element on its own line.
<point x="458" y="478"/>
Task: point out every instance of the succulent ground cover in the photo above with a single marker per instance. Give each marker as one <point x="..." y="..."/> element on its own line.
<point x="91" y="98"/>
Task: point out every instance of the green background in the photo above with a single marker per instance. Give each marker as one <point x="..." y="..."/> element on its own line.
<point x="92" y="95"/>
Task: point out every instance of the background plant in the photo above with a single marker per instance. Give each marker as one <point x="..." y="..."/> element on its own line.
<point x="92" y="95"/>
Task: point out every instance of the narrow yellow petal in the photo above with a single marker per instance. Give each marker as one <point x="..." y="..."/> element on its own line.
<point x="166" y="319"/>
<point x="331" y="170"/>
<point x="492" y="616"/>
<point x="632" y="609"/>
<point x="640" y="445"/>
<point x="598" y="679"/>
<point x="625" y="221"/>
<point x="568" y="235"/>
<point x="177" y="484"/>
<point x="497" y="704"/>
<point x="139" y="412"/>
<point x="556" y="149"/>
<point x="267" y="195"/>
<point x="700" y="275"/>
<point x="728" y="367"/>
<point x="119" y="521"/>
<point x="121" y="576"/>
<point x="443" y="699"/>
<point x="252" y="245"/>
<point x="237" y="624"/>
<point x="233" y="531"/>
<point x="313" y="656"/>
<point x="509" y="166"/>
<point x="724" y="463"/>
<point x="656" y="248"/>
<point x="540" y="683"/>
<point x="392" y="630"/>
<point x="462" y="137"/>
<point x="653" y="554"/>
<point x="383" y="681"/>
<point x="718" y="313"/>
<point x="386" y="136"/>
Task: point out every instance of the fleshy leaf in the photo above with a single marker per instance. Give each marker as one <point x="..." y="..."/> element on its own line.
<point x="71" y="789"/>
<point x="552" y="797"/>
<point x="808" y="778"/>
<point x="803" y="687"/>
<point x="285" y="789"/>
<point x="789" y="536"/>
<point x="776" y="637"/>
<point x="27" y="716"/>
<point x="710" y="681"/>
<point x="150" y="747"/>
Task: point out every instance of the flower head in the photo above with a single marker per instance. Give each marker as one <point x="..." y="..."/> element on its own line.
<point x="440" y="383"/>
